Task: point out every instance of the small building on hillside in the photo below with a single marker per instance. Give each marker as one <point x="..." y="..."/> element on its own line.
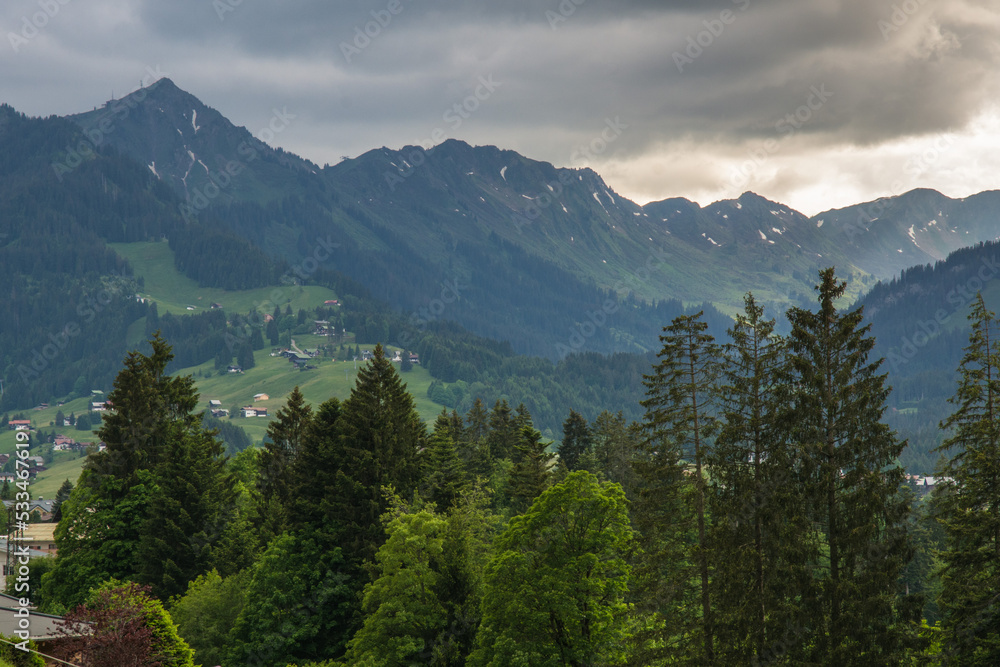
<point x="19" y="425"/>
<point x="261" y="397"/>
<point x="40" y="507"/>
<point x="214" y="403"/>
<point x="248" y="412"/>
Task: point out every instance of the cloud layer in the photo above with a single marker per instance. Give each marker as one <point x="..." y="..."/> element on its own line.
<point x="817" y="103"/>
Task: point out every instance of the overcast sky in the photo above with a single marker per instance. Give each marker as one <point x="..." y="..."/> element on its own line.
<point x="814" y="103"/>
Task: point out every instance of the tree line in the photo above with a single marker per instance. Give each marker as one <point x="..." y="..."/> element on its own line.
<point x="756" y="514"/>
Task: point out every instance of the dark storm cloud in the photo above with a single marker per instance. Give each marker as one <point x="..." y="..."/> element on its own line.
<point x="698" y="80"/>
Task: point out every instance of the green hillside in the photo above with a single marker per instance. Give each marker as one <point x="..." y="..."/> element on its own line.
<point x="276" y="377"/>
<point x="173" y="292"/>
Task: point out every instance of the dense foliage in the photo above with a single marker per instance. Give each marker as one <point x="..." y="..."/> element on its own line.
<point x="756" y="515"/>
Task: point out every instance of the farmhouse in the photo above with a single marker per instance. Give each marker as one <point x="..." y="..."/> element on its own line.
<point x="248" y="412"/>
<point x="19" y="424"/>
<point x="261" y="397"/>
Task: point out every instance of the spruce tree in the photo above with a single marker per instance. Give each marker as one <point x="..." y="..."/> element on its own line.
<point x="381" y="436"/>
<point x="531" y="475"/>
<point x="848" y="460"/>
<point x="444" y="477"/>
<point x="474" y="444"/>
<point x="969" y="502"/>
<point x="62" y="495"/>
<point x="759" y="538"/>
<point x="679" y="424"/>
<point x="617" y="445"/>
<point x="285" y="439"/>
<point x="149" y="409"/>
<point x="152" y="505"/>
<point x="313" y="470"/>
<point x="576" y="442"/>
<point x="191" y="505"/>
<point x="503" y="435"/>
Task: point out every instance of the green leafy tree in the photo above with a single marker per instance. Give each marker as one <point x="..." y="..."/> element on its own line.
<point x="848" y="462"/>
<point x="11" y="656"/>
<point x="207" y="612"/>
<point x="554" y="592"/>
<point x="298" y="605"/>
<point x="968" y="506"/>
<point x="403" y="614"/>
<point x="679" y="422"/>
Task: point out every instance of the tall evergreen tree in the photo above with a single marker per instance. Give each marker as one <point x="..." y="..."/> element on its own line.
<point x="576" y="442"/>
<point x="848" y="461"/>
<point x="679" y="423"/>
<point x="381" y="435"/>
<point x="474" y="444"/>
<point x="503" y="436"/>
<point x="149" y="409"/>
<point x="969" y="504"/>
<point x="761" y="537"/>
<point x="617" y="445"/>
<point x="153" y="504"/>
<point x="314" y="469"/>
<point x="286" y="435"/>
<point x="444" y="477"/>
<point x="191" y="505"/>
<point x="531" y="474"/>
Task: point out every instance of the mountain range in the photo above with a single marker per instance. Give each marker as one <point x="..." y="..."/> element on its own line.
<point x="544" y="260"/>
<point x="439" y="211"/>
